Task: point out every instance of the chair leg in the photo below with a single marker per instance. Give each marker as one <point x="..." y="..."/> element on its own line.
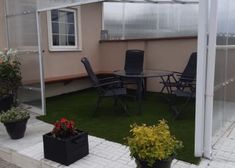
<point x="97" y="105"/>
<point x="177" y="111"/>
<point x="115" y="102"/>
<point x="123" y="105"/>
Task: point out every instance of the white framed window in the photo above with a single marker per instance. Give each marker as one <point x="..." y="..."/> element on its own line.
<point x="63" y="29"/>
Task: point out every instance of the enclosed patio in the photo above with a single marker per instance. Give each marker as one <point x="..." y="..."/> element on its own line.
<point x="53" y="37"/>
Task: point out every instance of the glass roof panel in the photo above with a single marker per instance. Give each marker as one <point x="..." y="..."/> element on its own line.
<point x="44" y="5"/>
<point x="54" y="4"/>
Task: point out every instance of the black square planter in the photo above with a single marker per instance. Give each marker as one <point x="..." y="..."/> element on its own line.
<point x="65" y="151"/>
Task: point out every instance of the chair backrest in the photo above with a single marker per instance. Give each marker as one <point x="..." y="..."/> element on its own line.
<point x="90" y="71"/>
<point x="134" y="61"/>
<point x="190" y="69"/>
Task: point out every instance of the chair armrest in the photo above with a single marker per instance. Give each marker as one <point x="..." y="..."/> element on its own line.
<point x="107" y="78"/>
<point x="177" y="73"/>
<point x="188" y="78"/>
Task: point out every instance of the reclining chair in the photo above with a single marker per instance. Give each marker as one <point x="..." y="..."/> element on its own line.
<point x="182" y="85"/>
<point x="106" y="87"/>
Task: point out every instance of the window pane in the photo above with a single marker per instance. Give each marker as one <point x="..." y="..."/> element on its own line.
<point x="71" y="40"/>
<point x="54" y="15"/>
<point x="55" y="28"/>
<point x="71" y="29"/>
<point x="56" y="40"/>
<point x="63" y="28"/>
<point x="63" y="40"/>
<point x="70" y="16"/>
<point x="63" y="17"/>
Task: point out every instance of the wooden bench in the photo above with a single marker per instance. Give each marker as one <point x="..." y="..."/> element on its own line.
<point x="66" y="79"/>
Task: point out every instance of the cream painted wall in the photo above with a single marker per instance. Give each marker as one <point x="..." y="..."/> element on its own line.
<point x="59" y="64"/>
<point x="3" y="41"/>
<point x="159" y="54"/>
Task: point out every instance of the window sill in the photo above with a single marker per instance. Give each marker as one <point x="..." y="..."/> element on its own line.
<point x="65" y="50"/>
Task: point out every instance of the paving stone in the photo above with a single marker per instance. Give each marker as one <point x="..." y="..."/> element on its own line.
<point x="28" y="152"/>
<point x="4" y="164"/>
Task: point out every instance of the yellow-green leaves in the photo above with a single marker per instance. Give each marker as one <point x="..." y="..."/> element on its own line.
<point x="151" y="143"/>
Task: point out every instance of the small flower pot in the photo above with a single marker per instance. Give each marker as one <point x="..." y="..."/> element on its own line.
<point x="158" y="164"/>
<point x="6" y="103"/>
<point x="16" y="130"/>
<point x="67" y="150"/>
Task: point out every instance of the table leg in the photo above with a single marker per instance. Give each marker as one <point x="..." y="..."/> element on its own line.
<point x="140" y="94"/>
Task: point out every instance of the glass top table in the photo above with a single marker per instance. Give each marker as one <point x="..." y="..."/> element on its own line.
<point x="141" y="82"/>
<point x="144" y="74"/>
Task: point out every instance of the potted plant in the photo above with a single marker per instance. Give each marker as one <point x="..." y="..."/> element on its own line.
<point x="10" y="78"/>
<point x="153" y="146"/>
<point x="15" y="121"/>
<point x="65" y="144"/>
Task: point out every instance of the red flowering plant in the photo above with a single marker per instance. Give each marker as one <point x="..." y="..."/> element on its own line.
<point x="64" y="128"/>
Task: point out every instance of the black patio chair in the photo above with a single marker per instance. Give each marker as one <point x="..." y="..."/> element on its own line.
<point x="182" y="85"/>
<point x="181" y="81"/>
<point x="106" y="87"/>
<point x="134" y="61"/>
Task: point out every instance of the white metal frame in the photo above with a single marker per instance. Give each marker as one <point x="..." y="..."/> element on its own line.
<point x="42" y="83"/>
<point x="201" y="77"/>
<point x="210" y="79"/>
<point x="207" y="26"/>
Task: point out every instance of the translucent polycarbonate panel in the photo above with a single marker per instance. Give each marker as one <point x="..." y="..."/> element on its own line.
<point x="55" y="4"/>
<point x="22" y="35"/>
<point x="219" y="91"/>
<point x="113" y="19"/>
<point x="149" y="20"/>
<point x="22" y="32"/>
<point x="224" y="93"/>
<point x="21" y="7"/>
<point x="140" y="20"/>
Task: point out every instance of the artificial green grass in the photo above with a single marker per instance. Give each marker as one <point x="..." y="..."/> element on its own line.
<point x="112" y="124"/>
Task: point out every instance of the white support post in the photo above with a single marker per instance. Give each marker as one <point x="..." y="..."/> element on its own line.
<point x="41" y="64"/>
<point x="201" y="77"/>
<point x="210" y="79"/>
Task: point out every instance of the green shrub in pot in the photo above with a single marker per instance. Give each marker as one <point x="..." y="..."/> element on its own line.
<point x="15" y="121"/>
<point x="153" y="146"/>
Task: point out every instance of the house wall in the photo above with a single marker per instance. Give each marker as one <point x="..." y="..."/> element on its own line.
<point x="3" y="41"/>
<point x="169" y="54"/>
<point x="59" y="64"/>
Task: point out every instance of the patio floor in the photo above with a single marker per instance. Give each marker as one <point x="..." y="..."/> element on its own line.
<point x="28" y="152"/>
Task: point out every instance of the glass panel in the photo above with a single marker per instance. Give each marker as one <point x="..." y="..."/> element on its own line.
<point x="71" y="40"/>
<point x="113" y="19"/>
<point x="22" y="35"/>
<point x="229" y="113"/>
<point x="148" y="20"/>
<point x="224" y="99"/>
<point x="22" y="31"/>
<point x="45" y="4"/>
